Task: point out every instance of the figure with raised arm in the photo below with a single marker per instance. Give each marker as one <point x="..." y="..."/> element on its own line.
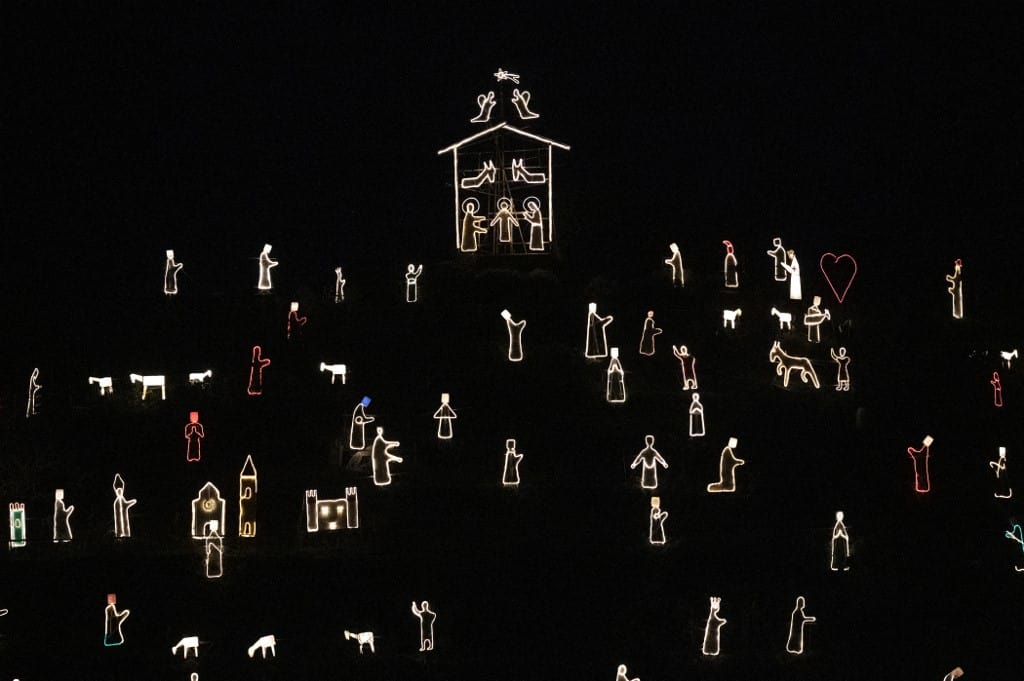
<point x="956" y="289"/>
<point x="515" y="336"/>
<point x="840" y="545"/>
<point x="842" y="361"/>
<point x="686" y="366"/>
<point x="713" y="628"/>
<point x="266" y="264"/>
<point x="797" y="620"/>
<point x="597" y="339"/>
<point x="730" y="268"/>
<point x="778" y="254"/>
<point x="793" y="267"/>
<point x="426" y="617"/>
<point x="381" y="458"/>
<point x="651" y="459"/>
<point x="171" y="269"/>
<point x="412" y="274"/>
<point x="675" y="261"/>
<point x="648" y="334"/>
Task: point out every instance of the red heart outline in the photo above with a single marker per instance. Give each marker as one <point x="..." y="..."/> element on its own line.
<point x="835" y="259"/>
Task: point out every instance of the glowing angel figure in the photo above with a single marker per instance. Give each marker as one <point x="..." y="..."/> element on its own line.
<point x="792" y="266"/>
<point x="16" y="519"/>
<point x="729" y="267"/>
<point x="357" y="431"/>
<point x="472" y="226"/>
<point x="412" y="275"/>
<point x="33" y="390"/>
<point x="651" y="459"/>
<point x="339" y="285"/>
<point x="381" y="458"/>
<point x="445" y="415"/>
<point x="597" y="338"/>
<point x="113" y="620"/>
<point x="686" y="366"/>
<point x="727" y="465"/>
<point x="486" y="103"/>
<point x="675" y="261"/>
<point x="797" y="620"/>
<point x="840" y="545"/>
<point x="813" y="320"/>
<point x="713" y="629"/>
<point x="256" y="367"/>
<point x="213" y="546"/>
<point x="502" y="74"/>
<point x="1003" y="489"/>
<point x="515" y="336"/>
<point x="266" y="264"/>
<point x="61" y="518"/>
<point x="696" y="416"/>
<point x="615" y="386"/>
<point x="194" y="435"/>
<point x="1017" y="534"/>
<point x="997" y="389"/>
<point x="778" y="254"/>
<point x="656" y="529"/>
<point x="920" y="457"/>
<point x="956" y="289"/>
<point x="842" y="361"/>
<point x="535" y="219"/>
<point x="426" y="617"/>
<point x="510" y="473"/>
<point x="621" y="675"/>
<point x="122" y="523"/>
<point x="521" y="100"/>
<point x="505" y="219"/>
<point x="295" y="321"/>
<point x="648" y="334"/>
<point x="171" y="270"/>
<point x="247" y="486"/>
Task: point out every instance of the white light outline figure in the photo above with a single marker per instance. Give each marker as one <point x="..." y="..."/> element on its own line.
<point x="363" y="638"/>
<point x="842" y="361"/>
<point x="730" y="268"/>
<point x="332" y="511"/>
<point x="521" y="174"/>
<point x="266" y="264"/>
<point x="426" y="617"/>
<point x="997" y="389"/>
<point x="61" y="518"/>
<point x="713" y="629"/>
<point x="839" y="561"/>
<point x="381" y="458"/>
<point x="510" y="471"/>
<point x="296" y="319"/>
<point x="649" y="333"/>
<point x="256" y="366"/>
<point x="696" y="412"/>
<point x="792" y="266"/>
<point x="1016" y="534"/>
<point x="335" y="370"/>
<point x="778" y="254"/>
<point x="515" y="336"/>
<point x="33" y="388"/>
<point x="785" y="319"/>
<point x="835" y="260"/>
<point x="262" y="644"/>
<point x="502" y="74"/>
<point x="656" y="526"/>
<point x="357" y="429"/>
<point x="650" y="458"/>
<point x="444" y="416"/>
<point x="213" y="547"/>
<point x="488" y="172"/>
<point x="814" y="318"/>
<point x="1008" y="356"/>
<point x="956" y="289"/>
<point x="153" y="381"/>
<point x="615" y="385"/>
<point x="922" y="475"/>
<point x="729" y="318"/>
<point x="505" y="218"/>
<point x="199" y="376"/>
<point x="106" y="384"/>
<point x="797" y="620"/>
<point x="113" y="620"/>
<point x="339" y="285"/>
<point x="186" y="644"/>
<point x="171" y="270"/>
<point x="535" y="219"/>
<point x="955" y="674"/>
<point x="207" y="507"/>
<point x="486" y="103"/>
<point x="687" y="366"/>
<point x="122" y="522"/>
<point x="786" y="363"/>
<point x="1002" y="481"/>
<point x="194" y="435"/>
<point x="412" y="275"/>
<point x="621" y="675"/>
<point x="248" y="485"/>
<point x="472" y="226"/>
<point x="597" y="336"/>
<point x="727" y="465"/>
<point x="16" y="520"/>
<point x="675" y="261"/>
<point x="521" y="100"/>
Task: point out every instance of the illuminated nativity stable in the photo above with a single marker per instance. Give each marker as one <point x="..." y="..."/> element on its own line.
<point x="503" y="176"/>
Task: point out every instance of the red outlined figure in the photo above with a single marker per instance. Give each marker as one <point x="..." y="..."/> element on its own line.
<point x="535" y="219"/>
<point x="651" y="459"/>
<point x="675" y="261"/>
<point x="61" y="517"/>
<point x="426" y="617"/>
<point x="381" y="458"/>
<point x="295" y="322"/>
<point x="256" y="367"/>
<point x="656" y="527"/>
<point x="997" y="389"/>
<point x="842" y="361"/>
<point x="840" y="545"/>
<point x="696" y="416"/>
<point x="597" y="338"/>
<point x="648" y="334"/>
<point x="515" y="336"/>
<point x="713" y="628"/>
<point x="956" y="289"/>
<point x="445" y="415"/>
<point x="686" y="366"/>
<point x="1003" y="489"/>
<point x="797" y="620"/>
<point x="194" y="435"/>
<point x="412" y="275"/>
<point x="266" y="264"/>
<point x="920" y="457"/>
<point x="510" y="472"/>
<point x="357" y="430"/>
<point x="727" y="465"/>
<point x="837" y="274"/>
<point x="615" y="385"/>
<point x="171" y="269"/>
<point x="33" y="389"/>
<point x="521" y="100"/>
<point x="792" y="265"/>
<point x="813" y="320"/>
<point x="122" y="523"/>
<point x="729" y="267"/>
<point x="778" y="254"/>
<point x="486" y="103"/>
<point x="786" y="364"/>
<point x="472" y="226"/>
<point x="505" y="219"/>
<point x="112" y="621"/>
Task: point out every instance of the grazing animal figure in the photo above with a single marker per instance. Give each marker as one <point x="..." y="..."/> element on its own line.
<point x="150" y="382"/>
<point x="363" y="638"/>
<point x="787" y="363"/>
<point x="336" y="370"/>
<point x="106" y="384"/>
<point x="262" y="644"/>
<point x="188" y="643"/>
<point x="1007" y="355"/>
<point x="729" y="318"/>
<point x="785" y="319"/>
<point x="199" y="376"/>
<point x="486" y="175"/>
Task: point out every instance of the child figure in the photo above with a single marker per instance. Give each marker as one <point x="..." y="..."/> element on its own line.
<point x="675" y="261"/>
<point x="515" y="336"/>
<point x="727" y="469"/>
<point x="842" y="361"/>
<point x="381" y="458"/>
<point x="651" y="459"/>
<point x="61" y="518"/>
<point x="194" y="435"/>
<point x="840" y="545"/>
<point x="696" y="416"/>
<point x="712" y="630"/>
<point x="171" y="269"/>
<point x="656" y="531"/>
<point x="597" y="340"/>
<point x="339" y="285"/>
<point x="615" y="387"/>
<point x="956" y="289"/>
<point x="444" y="415"/>
<point x="266" y="264"/>
<point x="729" y="268"/>
<point x="256" y="367"/>
<point x="412" y="274"/>
<point x="686" y="365"/>
<point x="648" y="334"/>
<point x="510" y="475"/>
